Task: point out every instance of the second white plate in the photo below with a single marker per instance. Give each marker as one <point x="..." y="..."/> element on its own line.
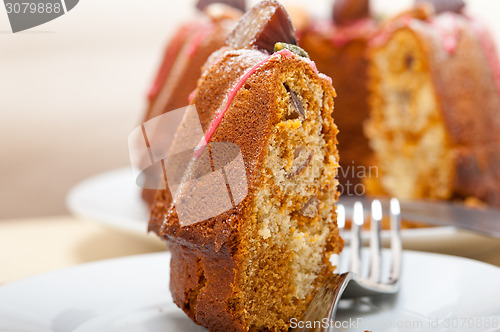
<point x="110" y="198"/>
<point x="113" y="199"/>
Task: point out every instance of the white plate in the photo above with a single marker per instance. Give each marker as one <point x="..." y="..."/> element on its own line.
<point x="114" y="199"/>
<point x="131" y="294"/>
<point x="110" y="198"/>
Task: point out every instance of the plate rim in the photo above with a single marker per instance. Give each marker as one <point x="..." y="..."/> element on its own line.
<point x="131" y="225"/>
<point x="139" y="227"/>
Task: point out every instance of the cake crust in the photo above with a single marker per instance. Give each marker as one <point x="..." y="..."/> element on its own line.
<point x="466" y="97"/>
<point x="182" y="63"/>
<point x="209" y="259"/>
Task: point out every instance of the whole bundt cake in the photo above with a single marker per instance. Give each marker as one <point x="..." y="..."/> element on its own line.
<point x="435" y="101"/>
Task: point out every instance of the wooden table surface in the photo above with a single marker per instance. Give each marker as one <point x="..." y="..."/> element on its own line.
<point x="32" y="246"/>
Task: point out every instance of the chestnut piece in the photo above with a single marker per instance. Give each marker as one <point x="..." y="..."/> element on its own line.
<point x="310" y="208"/>
<point x="262" y="27"/>
<point x="300" y="164"/>
<point x="297" y="106"/>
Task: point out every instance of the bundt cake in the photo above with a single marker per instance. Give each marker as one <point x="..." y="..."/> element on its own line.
<point x="184" y="56"/>
<point x="435" y="102"/>
<point x="257" y="265"/>
<point x="338" y="47"/>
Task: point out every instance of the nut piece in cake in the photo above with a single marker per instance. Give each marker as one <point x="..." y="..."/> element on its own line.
<point x="262" y="27"/>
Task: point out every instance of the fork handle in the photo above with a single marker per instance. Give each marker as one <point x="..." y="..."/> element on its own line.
<point x="321" y="312"/>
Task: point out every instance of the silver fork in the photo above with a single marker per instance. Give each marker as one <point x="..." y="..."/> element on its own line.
<point x="351" y="284"/>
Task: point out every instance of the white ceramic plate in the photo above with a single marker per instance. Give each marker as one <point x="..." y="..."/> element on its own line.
<point x="110" y="198"/>
<point x="114" y="199"/>
<point x="439" y="293"/>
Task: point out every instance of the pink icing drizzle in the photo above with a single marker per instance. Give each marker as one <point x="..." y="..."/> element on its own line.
<point x="381" y="37"/>
<point x="313" y="65"/>
<point x="200" y="31"/>
<point x="446" y="26"/>
<point x="204" y="31"/>
<point x="171" y="53"/>
<point x="328" y="78"/>
<point x="485" y="38"/>
<point x="448" y="29"/>
<point x="219" y="114"/>
<point x="342" y="34"/>
<point x="191" y="96"/>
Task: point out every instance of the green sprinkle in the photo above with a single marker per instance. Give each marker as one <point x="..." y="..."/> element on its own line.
<point x="293" y="48"/>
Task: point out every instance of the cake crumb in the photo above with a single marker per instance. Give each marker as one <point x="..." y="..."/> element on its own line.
<point x="265" y="232"/>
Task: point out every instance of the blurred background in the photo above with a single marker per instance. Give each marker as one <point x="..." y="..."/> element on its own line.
<point x="74" y="88"/>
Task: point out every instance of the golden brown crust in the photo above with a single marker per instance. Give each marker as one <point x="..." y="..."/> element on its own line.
<point x="207" y="256"/>
<point x="235" y="128"/>
<point x="199" y="284"/>
<point x="465" y="89"/>
<point x="183" y="78"/>
<point x="469" y="102"/>
<point x="161" y="203"/>
<point x="247" y="123"/>
<point x="204" y="36"/>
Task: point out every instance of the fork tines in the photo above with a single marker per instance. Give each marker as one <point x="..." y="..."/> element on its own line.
<point x="355" y="266"/>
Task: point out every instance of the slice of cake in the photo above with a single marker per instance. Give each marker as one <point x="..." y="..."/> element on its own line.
<point x="338" y="47"/>
<point x="184" y="56"/>
<point x="434" y="124"/>
<point x="258" y="264"/>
